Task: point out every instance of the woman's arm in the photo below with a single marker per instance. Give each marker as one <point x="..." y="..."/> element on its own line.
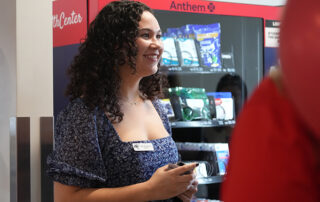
<point x="163" y="184"/>
<point x="67" y="193"/>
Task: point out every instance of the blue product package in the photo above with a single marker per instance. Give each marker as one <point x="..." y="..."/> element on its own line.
<point x="174" y="32"/>
<point x="208" y="37"/>
<point x="187" y="31"/>
<point x="222" y="153"/>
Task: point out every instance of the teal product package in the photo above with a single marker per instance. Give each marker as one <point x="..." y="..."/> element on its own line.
<point x="189" y="104"/>
<point x="169" y="55"/>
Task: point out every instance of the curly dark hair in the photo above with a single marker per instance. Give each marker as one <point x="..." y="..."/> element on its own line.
<point x="109" y="43"/>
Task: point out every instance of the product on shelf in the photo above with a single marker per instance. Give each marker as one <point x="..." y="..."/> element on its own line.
<point x="208" y="37"/>
<point x="227" y="60"/>
<point x="217" y="154"/>
<point x="212" y="106"/>
<point x="169" y="56"/>
<point x="196" y="45"/>
<point x="168" y="108"/>
<point x="224" y="105"/>
<point x="222" y="153"/>
<point x="189" y="103"/>
<point x="204" y="169"/>
<point x="174" y="32"/>
<point x="189" y="56"/>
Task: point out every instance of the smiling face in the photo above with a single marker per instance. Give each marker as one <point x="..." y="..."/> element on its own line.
<point x="149" y="45"/>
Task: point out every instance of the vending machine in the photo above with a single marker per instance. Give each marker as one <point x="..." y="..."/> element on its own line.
<point x="215" y="54"/>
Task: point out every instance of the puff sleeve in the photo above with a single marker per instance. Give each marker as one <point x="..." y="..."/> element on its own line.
<point x="76" y="159"/>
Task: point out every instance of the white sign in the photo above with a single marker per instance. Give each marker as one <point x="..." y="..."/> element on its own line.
<point x="272" y="37"/>
<point x="271" y="33"/>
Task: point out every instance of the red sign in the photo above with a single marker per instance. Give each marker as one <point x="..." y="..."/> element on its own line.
<point x="69" y="21"/>
<point x="209" y="7"/>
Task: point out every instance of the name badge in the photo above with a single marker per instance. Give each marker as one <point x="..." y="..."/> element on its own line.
<point x="142" y="146"/>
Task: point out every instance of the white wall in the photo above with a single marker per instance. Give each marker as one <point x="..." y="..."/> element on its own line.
<point x="26" y="79"/>
<point x="34" y="74"/>
<point x="7" y="89"/>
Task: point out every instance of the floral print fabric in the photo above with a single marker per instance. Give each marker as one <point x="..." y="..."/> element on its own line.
<point x="89" y="153"/>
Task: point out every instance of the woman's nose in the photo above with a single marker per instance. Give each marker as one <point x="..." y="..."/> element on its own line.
<point x="156" y="46"/>
<point x="156" y="43"/>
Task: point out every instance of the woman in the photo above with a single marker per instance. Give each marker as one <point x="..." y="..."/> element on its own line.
<point x="113" y="141"/>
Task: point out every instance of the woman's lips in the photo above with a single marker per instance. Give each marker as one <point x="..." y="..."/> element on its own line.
<point x="152" y="57"/>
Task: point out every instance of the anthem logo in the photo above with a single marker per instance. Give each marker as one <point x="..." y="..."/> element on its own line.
<point x="186" y="6"/>
<point x="211" y="7"/>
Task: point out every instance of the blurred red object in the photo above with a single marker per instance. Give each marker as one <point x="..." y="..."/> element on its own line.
<point x="300" y="58"/>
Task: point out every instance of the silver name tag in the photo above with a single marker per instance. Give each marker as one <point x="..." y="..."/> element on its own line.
<point x="142" y="146"/>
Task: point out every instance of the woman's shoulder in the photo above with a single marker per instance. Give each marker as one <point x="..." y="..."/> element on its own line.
<point x="162" y="113"/>
<point x="157" y="103"/>
<point x="76" y="110"/>
<point x="158" y="106"/>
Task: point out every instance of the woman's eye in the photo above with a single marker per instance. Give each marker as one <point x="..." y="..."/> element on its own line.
<point x="159" y="36"/>
<point x="145" y="35"/>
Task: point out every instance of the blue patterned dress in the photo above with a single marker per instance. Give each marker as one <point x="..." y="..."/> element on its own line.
<point x="90" y="154"/>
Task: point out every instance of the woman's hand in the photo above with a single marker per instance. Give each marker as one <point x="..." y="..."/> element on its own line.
<point x="187" y="195"/>
<point x="166" y="183"/>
